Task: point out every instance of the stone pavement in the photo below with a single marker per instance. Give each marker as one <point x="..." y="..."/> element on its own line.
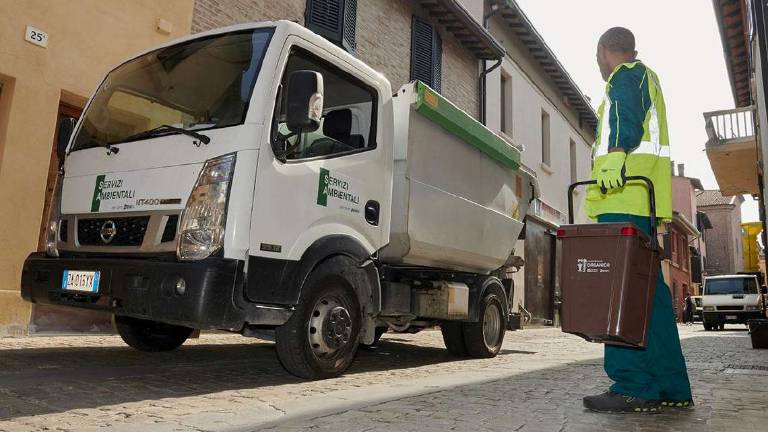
<point x="226" y="382"/>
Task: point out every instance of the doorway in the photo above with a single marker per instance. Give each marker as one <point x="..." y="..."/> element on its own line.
<point x="46" y="318"/>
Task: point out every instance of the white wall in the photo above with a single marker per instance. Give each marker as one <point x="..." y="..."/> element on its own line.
<point x="527" y="104"/>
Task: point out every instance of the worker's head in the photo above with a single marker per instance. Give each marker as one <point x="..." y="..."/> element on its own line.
<point x="616" y="46"/>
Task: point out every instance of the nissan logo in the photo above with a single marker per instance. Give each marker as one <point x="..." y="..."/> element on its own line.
<point x="108" y="231"/>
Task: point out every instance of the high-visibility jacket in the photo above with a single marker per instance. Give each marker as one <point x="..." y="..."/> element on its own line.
<point x="633" y="116"/>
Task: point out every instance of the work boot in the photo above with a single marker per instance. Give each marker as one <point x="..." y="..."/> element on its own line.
<point x="610" y="402"/>
<point x="669" y="403"/>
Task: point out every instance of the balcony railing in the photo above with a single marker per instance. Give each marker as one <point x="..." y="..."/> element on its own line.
<point x="730" y="125"/>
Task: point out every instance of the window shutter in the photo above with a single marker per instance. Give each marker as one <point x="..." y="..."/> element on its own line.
<point x="426" y="53"/>
<point x="334" y="20"/>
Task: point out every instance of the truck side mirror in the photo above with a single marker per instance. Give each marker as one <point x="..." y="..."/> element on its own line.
<point x="304" y="98"/>
<point x="66" y="128"/>
<point x="763" y="290"/>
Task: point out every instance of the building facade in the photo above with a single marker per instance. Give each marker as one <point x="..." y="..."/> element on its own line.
<point x="724" y="246"/>
<point x="54" y="54"/>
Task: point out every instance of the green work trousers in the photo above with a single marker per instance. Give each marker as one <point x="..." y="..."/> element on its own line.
<point x="657" y="372"/>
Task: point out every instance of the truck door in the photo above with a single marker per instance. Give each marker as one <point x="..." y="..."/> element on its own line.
<point x="335" y="180"/>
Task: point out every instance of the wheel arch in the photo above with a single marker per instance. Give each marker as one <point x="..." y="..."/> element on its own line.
<point x="486" y="285"/>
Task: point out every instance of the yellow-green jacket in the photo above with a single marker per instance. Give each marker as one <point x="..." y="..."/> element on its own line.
<point x="633" y="117"/>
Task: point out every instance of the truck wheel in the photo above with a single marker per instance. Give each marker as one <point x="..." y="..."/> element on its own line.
<point x="483" y="339"/>
<point x="320" y="339"/>
<point x="453" y="337"/>
<point x="707" y="326"/>
<point x="151" y="336"/>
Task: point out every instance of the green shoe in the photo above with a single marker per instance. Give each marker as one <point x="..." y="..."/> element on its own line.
<point x="677" y="403"/>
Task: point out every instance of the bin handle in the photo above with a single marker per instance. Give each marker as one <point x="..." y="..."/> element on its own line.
<point x="651" y="201"/>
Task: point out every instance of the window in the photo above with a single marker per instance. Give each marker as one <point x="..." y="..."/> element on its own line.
<point x="673" y="241"/>
<point x="426" y="54"/>
<point x="334" y="20"/>
<point x="196" y="85"/>
<point x="545" y="150"/>
<point x="506" y="104"/>
<point x="574" y="172"/>
<point x="349" y="113"/>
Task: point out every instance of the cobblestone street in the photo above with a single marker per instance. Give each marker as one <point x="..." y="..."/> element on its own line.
<point x="227" y="382"/>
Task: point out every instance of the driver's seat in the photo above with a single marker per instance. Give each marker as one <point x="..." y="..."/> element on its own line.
<point x="337" y="127"/>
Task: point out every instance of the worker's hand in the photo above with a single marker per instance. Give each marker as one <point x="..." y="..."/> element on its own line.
<point x="611" y="174"/>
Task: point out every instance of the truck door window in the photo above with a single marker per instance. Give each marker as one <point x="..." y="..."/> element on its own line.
<point x="349" y="114"/>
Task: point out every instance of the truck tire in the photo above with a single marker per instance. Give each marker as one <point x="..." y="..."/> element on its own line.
<point x="151" y="336"/>
<point x="484" y="338"/>
<point x="453" y="337"/>
<point x="320" y="340"/>
<point x="707" y="326"/>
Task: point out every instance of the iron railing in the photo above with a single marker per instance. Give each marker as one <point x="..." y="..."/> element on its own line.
<point x="729" y="125"/>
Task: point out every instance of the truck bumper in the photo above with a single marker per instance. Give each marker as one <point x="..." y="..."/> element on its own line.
<point x="212" y="297"/>
<point x="732" y="317"/>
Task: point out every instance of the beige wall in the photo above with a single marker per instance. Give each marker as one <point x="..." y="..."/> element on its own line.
<point x="86" y="39"/>
<point x="383" y="39"/>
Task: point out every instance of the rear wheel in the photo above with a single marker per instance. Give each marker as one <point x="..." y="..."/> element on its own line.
<point x="320" y="339"/>
<point x="483" y="339"/>
<point x="151" y="336"/>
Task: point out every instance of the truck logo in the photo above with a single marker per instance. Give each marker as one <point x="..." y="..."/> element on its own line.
<point x="322" y="187"/>
<point x="108" y="231"/>
<point x="110" y="190"/>
<point x="336" y="187"/>
<point x="96" y="200"/>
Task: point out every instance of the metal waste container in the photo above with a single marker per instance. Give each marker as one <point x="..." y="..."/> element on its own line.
<point x="608" y="277"/>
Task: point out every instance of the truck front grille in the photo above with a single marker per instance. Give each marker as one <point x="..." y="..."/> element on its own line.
<point x="128" y="231"/>
<point x="730" y="308"/>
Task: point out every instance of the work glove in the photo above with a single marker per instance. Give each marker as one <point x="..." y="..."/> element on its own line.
<point x="612" y="172"/>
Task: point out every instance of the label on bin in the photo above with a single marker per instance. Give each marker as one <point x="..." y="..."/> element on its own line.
<point x="584" y="265"/>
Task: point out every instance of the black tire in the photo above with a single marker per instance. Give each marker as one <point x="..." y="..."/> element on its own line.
<point x="151" y="336"/>
<point x="453" y="337"/>
<point x="376" y="337"/>
<point x="327" y="299"/>
<point x="721" y="326"/>
<point x="484" y="338"/>
<point x="707" y="326"/>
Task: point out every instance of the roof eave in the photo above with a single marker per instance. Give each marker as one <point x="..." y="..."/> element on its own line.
<point x="457" y="21"/>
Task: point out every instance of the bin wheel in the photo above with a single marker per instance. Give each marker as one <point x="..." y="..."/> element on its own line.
<point x="484" y="338"/>
<point x="453" y="337"/>
<point x="320" y="340"/>
<point x="151" y="336"/>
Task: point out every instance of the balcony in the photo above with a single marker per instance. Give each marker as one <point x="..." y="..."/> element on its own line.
<point x="732" y="150"/>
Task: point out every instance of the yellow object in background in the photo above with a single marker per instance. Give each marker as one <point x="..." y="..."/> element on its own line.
<point x="750" y="247"/>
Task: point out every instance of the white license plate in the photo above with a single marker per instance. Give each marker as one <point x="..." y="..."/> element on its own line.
<point x="731" y="317"/>
<point x="78" y="280"/>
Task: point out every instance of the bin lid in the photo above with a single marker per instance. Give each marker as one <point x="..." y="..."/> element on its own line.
<point x="620" y="229"/>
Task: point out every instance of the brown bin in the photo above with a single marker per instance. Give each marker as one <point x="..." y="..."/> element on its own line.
<point x="608" y="278"/>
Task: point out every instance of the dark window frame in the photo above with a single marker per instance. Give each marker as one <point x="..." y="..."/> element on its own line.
<point x="372" y="135"/>
<point x="435" y="54"/>
<point x="344" y="34"/>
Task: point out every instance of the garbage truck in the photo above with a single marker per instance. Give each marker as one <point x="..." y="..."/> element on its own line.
<point x="260" y="180"/>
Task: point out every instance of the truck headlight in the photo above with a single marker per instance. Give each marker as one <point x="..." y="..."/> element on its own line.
<point x="203" y="221"/>
<point x="709" y="308"/>
<point x="751" y="308"/>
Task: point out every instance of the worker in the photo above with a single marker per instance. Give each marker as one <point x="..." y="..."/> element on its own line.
<point x="632" y="140"/>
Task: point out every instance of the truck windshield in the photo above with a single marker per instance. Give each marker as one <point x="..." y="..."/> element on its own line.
<point x="196" y="85"/>
<point x="730" y="286"/>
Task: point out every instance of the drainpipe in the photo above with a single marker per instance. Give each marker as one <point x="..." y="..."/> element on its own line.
<point x="484" y="74"/>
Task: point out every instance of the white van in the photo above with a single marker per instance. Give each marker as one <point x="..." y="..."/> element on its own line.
<point x="259" y="179"/>
<point x="731" y="299"/>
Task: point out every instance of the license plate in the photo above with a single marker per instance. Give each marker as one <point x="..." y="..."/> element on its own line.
<point x="78" y="280"/>
<point x="731" y="317"/>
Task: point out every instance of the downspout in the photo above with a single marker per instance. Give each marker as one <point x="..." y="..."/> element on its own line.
<point x="759" y="18"/>
<point x="485" y="71"/>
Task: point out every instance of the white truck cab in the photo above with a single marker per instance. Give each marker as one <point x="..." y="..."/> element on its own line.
<point x="732" y="299"/>
<point x="259" y="179"/>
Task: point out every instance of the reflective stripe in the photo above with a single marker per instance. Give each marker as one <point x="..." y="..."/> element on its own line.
<point x="645" y="147"/>
<point x="653" y="124"/>
<point x="605" y="130"/>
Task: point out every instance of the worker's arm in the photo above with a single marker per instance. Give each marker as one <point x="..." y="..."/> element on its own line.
<point x="629" y="98"/>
